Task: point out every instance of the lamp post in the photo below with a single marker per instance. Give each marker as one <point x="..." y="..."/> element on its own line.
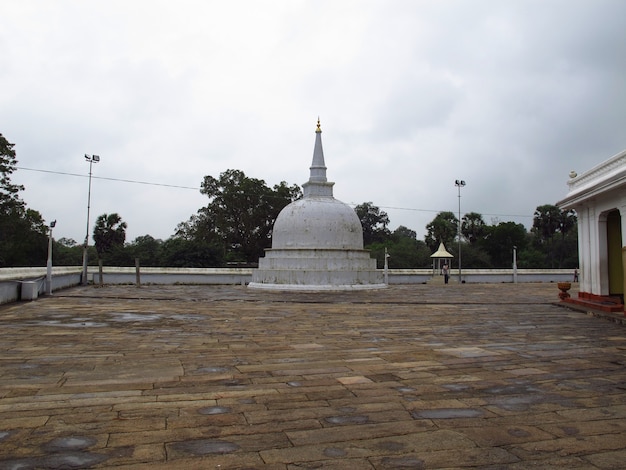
<point x="49" y="263"/>
<point x="91" y="159"/>
<point x="386" y="270"/>
<point x="514" y="265"/>
<point x="459" y="184"/>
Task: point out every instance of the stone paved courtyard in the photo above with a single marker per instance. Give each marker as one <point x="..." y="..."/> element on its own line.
<point x="488" y="376"/>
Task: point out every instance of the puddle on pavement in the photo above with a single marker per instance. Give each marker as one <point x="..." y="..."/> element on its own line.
<point x="232" y="383"/>
<point x="347" y="409"/>
<point x="358" y="419"/>
<point x="570" y="430"/>
<point x="402" y="462"/>
<point x="334" y="452"/>
<point x="514" y="389"/>
<point x="523" y="403"/>
<point x="64" y="452"/>
<point x="392" y="446"/>
<point x="214" y="410"/>
<point x="515" y="403"/>
<point x="73" y="460"/>
<point x="447" y="413"/>
<point x="205" y="447"/>
<point x="214" y="369"/>
<point x="456" y="387"/>
<point x="86" y="324"/>
<point x="517" y="432"/>
<point x="74" y="323"/>
<point x="69" y="443"/>
<point x="135" y="317"/>
<point x="66" y="460"/>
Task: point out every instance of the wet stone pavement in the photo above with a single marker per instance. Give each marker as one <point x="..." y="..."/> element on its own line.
<point x="482" y="376"/>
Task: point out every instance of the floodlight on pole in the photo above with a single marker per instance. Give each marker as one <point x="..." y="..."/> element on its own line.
<point x="91" y="159"/>
<point x="459" y="184"/>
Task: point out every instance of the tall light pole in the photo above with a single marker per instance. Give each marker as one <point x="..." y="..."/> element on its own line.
<point x="91" y="159"/>
<point x="514" y="265"/>
<point x="459" y="184"/>
<point x="49" y="263"/>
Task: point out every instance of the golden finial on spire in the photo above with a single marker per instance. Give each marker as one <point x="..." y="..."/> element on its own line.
<point x="319" y="129"/>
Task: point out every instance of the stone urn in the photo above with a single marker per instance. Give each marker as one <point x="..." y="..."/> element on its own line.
<point x="564" y="287"/>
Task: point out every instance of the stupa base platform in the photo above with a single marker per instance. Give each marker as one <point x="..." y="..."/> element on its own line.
<point x="317" y="270"/>
<point x="315" y="287"/>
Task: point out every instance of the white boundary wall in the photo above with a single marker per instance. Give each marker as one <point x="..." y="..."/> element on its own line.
<point x="11" y="279"/>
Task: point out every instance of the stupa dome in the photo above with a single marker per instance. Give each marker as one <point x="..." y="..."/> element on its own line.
<point x="318" y="222"/>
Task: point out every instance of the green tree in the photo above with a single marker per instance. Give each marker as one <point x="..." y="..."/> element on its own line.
<point x="25" y="239"/>
<point x="23" y="233"/>
<point x="474" y="255"/>
<point x="567" y="246"/>
<point x="549" y="220"/>
<point x="146" y="249"/>
<point x="473" y="227"/>
<point x="442" y="229"/>
<point x="531" y="258"/>
<point x="66" y="252"/>
<point x="545" y="224"/>
<point x="200" y="226"/>
<point x="109" y="233"/>
<point x="9" y="192"/>
<point x="178" y="252"/>
<point x="500" y="241"/>
<point x="406" y="251"/>
<point x="240" y="214"/>
<point x="374" y="223"/>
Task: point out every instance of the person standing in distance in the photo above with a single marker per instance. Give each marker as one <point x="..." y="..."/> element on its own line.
<point x="446" y="273"/>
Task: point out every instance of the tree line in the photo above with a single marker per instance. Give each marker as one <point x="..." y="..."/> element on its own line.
<point x="235" y="227"/>
<point x="552" y="242"/>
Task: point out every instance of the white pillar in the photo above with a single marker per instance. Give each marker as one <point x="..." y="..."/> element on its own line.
<point x="584" y="248"/>
<point x="602" y="271"/>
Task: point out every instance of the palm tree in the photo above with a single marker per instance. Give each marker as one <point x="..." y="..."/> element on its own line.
<point x="109" y="232"/>
<point x="473" y="227"/>
<point x="545" y="225"/>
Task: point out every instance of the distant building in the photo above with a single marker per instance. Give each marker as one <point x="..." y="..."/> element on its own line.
<point x="599" y="198"/>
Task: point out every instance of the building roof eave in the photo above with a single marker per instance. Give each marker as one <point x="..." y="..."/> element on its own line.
<point x="577" y="197"/>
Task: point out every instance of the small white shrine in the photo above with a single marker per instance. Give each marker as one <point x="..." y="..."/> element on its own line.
<point x="438" y="256"/>
<point x="317" y="241"/>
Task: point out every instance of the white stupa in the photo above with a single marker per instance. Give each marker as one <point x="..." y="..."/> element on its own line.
<point x="317" y="241"/>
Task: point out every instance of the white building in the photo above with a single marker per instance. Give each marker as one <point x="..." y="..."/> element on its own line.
<point x="599" y="198"/>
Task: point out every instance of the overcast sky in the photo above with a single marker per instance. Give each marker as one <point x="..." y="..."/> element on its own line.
<point x="507" y="95"/>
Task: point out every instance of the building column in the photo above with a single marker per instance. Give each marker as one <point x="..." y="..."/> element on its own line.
<point x="602" y="268"/>
<point x="584" y="246"/>
<point x="622" y="213"/>
<point x="596" y="252"/>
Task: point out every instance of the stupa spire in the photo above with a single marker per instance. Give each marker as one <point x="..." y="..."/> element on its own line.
<point x="318" y="167"/>
<point x="318" y="184"/>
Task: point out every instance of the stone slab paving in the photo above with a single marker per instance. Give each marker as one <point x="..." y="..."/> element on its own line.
<point x="488" y="376"/>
